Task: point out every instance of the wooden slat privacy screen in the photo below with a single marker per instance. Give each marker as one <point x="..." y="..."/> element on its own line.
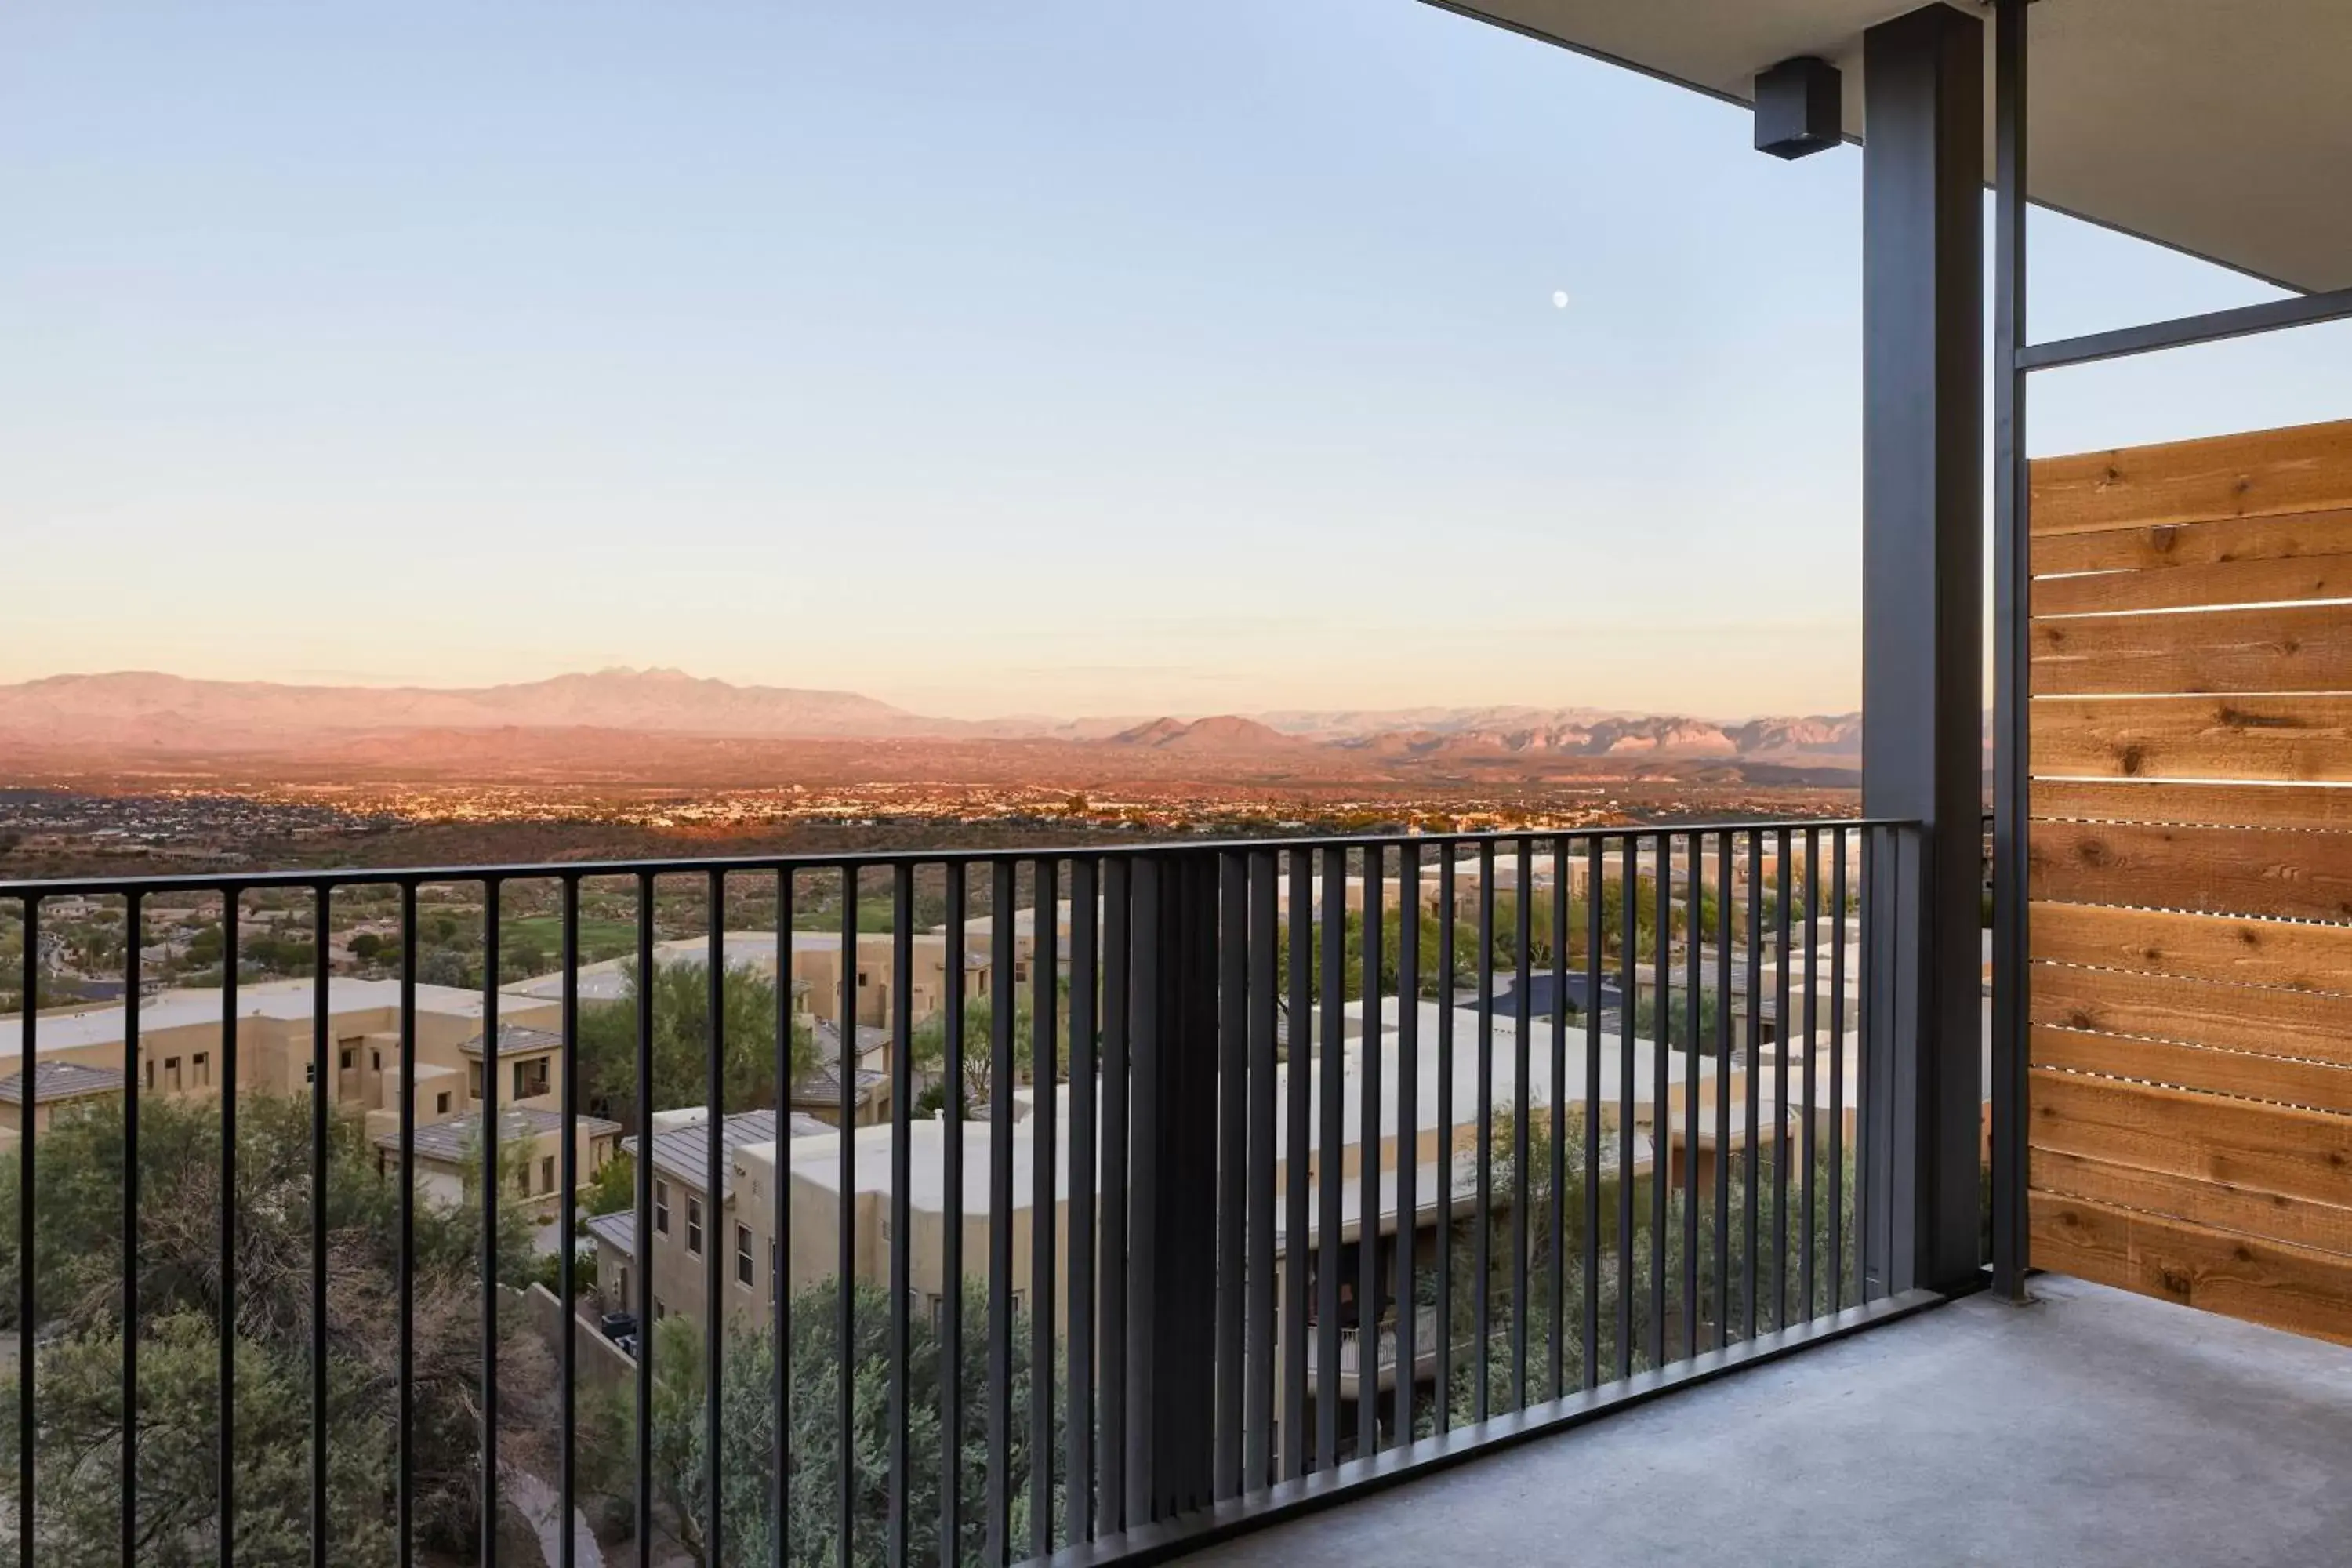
<point x="2191" y="873"/>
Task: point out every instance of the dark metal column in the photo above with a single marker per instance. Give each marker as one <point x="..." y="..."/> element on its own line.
<point x="1173" y="1243"/>
<point x="1922" y="605"/>
<point x="2012" y="576"/>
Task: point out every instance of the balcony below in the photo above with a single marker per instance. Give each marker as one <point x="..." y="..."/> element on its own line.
<point x="2091" y="1429"/>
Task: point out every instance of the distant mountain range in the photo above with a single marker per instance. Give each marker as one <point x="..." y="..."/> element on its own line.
<point x="147" y="715"/>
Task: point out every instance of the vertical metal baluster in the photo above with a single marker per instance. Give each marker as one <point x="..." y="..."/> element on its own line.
<point x="1629" y="990"/>
<point x="1595" y="884"/>
<point x="567" y="1478"/>
<point x="845" y="1276"/>
<point x="321" y="924"/>
<point x="1522" y="1186"/>
<point x="1368" y="1170"/>
<point x="1447" y="895"/>
<point x="1408" y="1125"/>
<point x="1559" y="1242"/>
<point x="230" y="911"/>
<point x="779" y="1261"/>
<point x="1781" y="963"/>
<point x="1813" y="1021"/>
<point x="1330" y="1157"/>
<point x="902" y="1176"/>
<point x="715" y="1242"/>
<point x="1045" y="972"/>
<point x="27" y="1338"/>
<point x="134" y="926"/>
<point x="645" y="1220"/>
<point x="1086" y="1178"/>
<point x="1755" y="953"/>
<point x="1117" y="1475"/>
<point x="1232" y="1165"/>
<point x="1482" y="1239"/>
<point x="1258" y="1421"/>
<point x="403" y="1435"/>
<point x="1000" y="1215"/>
<point x="1298" y="1156"/>
<point x="1661" y="1119"/>
<point x="1837" y="1071"/>
<point x="490" y="1261"/>
<point x="951" y="1365"/>
<point x="1693" y="851"/>
<point x="1723" y="984"/>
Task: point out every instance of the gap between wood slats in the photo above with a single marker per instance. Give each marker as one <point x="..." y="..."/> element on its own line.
<point x="2126" y="549"/>
<point x="2204" y="871"/>
<point x="2306" y="740"/>
<point x="2298" y="648"/>
<point x="2196" y="587"/>
<point x="2227" y="949"/>
<point x="2242" y="1075"/>
<point x="2239" y="1275"/>
<point x="2256" y="474"/>
<point x="2326" y="1226"/>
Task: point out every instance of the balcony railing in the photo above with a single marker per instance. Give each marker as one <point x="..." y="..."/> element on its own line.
<point x="1060" y="1266"/>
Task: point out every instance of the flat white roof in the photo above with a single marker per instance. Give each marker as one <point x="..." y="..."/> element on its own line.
<point x="279" y="999"/>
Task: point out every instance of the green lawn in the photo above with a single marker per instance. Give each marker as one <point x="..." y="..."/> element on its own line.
<point x="599" y="938"/>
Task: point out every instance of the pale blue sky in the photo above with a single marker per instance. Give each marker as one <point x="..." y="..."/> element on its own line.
<point x="983" y="355"/>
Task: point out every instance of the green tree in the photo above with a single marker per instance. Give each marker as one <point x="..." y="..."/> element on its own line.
<point x="77" y="1249"/>
<point x="681" y="1005"/>
<point x="814" y="1440"/>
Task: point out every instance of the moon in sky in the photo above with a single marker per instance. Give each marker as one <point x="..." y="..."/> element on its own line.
<point x="1559" y="298"/>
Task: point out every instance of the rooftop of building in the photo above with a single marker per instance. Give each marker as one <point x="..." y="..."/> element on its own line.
<point x="460" y="1138"/>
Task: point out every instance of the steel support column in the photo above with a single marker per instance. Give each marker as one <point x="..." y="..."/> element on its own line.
<point x="1923" y="605"/>
<point x="2012" y="578"/>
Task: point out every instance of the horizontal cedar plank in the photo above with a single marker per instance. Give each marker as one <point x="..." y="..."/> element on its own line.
<point x="2299" y="648"/>
<point x="2284" y="537"/>
<point x="2321" y="807"/>
<point x="2207" y="870"/>
<point x="2196" y="587"/>
<point x="2195" y="947"/>
<point x="2260" y="473"/>
<point x="2299" y="1288"/>
<point x="2280" y="738"/>
<point x="2294" y="1220"/>
<point x="2274" y="1022"/>
<point x="2263" y="1148"/>
<point x="2318" y="1085"/>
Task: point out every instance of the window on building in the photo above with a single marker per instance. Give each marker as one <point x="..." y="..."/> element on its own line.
<point x="774" y="1277"/>
<point x="375" y="1061"/>
<point x="522" y="1183"/>
<point x="172" y="1074"/>
<point x="547" y="1174"/>
<point x="660" y="1311"/>
<point x="151" y="1075"/>
<point x="661" y="1208"/>
<point x="200" y="1069"/>
<point x="693" y="1224"/>
<point x="746" y="1272"/>
<point x="862" y="980"/>
<point x="531" y="1079"/>
<point x="345" y="1062"/>
<point x="310" y="1072"/>
<point x="474" y="1080"/>
<point x="441" y="1103"/>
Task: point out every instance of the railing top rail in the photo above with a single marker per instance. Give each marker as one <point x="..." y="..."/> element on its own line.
<point x="704" y="866"/>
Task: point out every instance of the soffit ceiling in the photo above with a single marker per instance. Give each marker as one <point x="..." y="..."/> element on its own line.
<point x="2221" y="127"/>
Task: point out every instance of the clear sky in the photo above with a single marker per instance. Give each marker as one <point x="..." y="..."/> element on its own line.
<point x="981" y="355"/>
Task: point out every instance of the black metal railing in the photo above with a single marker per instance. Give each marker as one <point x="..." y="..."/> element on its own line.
<point x="1105" y="1201"/>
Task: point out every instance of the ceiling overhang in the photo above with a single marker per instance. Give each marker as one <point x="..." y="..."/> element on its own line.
<point x="2222" y="128"/>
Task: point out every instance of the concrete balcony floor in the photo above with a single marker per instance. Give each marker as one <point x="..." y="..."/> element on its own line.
<point x="2093" y="1427"/>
